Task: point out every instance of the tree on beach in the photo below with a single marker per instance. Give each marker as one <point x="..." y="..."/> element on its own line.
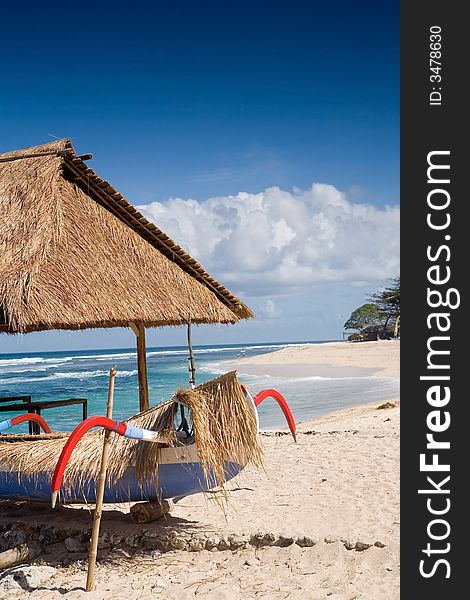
<point x="382" y="309"/>
<point x="388" y="299"/>
<point x="365" y="315"/>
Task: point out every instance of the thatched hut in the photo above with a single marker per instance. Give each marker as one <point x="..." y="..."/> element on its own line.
<point x="74" y="254"/>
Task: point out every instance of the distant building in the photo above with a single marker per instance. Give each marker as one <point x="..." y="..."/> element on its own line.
<point x="376" y="332"/>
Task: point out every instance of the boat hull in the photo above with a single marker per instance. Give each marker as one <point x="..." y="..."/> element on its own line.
<point x="179" y="474"/>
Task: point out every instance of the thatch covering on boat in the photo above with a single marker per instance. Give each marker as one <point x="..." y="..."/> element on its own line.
<point x="224" y="427"/>
<point x="75" y="254"/>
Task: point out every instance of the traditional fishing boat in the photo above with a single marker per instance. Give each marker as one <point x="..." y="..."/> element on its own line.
<point x="75" y="254"/>
<point x="151" y="458"/>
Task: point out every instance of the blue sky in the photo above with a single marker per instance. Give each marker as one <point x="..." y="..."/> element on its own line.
<point x="195" y="101"/>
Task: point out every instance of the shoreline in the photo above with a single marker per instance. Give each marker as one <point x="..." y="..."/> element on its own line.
<point x="301" y="370"/>
<point x="329" y="359"/>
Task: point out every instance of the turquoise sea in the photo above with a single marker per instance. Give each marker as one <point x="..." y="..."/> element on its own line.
<point x="84" y="374"/>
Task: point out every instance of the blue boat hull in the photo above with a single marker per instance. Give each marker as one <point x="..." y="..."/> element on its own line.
<point x="174" y="480"/>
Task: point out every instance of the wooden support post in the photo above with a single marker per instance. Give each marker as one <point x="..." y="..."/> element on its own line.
<point x="139" y="330"/>
<point x="192" y="368"/>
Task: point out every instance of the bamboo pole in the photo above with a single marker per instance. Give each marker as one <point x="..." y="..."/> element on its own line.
<point x="139" y="330"/>
<point x="192" y="368"/>
<point x="99" y="496"/>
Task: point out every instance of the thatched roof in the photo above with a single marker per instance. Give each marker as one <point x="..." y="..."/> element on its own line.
<point x="75" y="254"/>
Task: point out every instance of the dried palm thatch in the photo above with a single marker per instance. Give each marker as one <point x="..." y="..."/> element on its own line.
<point x="224" y="426"/>
<point x="75" y="254"/>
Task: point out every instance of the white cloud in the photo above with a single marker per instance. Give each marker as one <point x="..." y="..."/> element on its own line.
<point x="274" y="241"/>
<point x="270" y="309"/>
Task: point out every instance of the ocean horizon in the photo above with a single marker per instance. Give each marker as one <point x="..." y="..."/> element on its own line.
<point x="63" y="374"/>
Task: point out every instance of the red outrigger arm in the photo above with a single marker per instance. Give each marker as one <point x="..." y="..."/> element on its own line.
<point x="22" y="418"/>
<point x="125" y="429"/>
<point x="282" y="403"/>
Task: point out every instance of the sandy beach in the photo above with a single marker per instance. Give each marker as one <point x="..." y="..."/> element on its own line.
<point x="322" y="521"/>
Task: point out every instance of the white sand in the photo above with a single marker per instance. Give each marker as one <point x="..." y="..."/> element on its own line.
<point x="339" y="486"/>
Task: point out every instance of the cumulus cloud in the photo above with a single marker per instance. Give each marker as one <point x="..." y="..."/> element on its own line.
<point x="275" y="241"/>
